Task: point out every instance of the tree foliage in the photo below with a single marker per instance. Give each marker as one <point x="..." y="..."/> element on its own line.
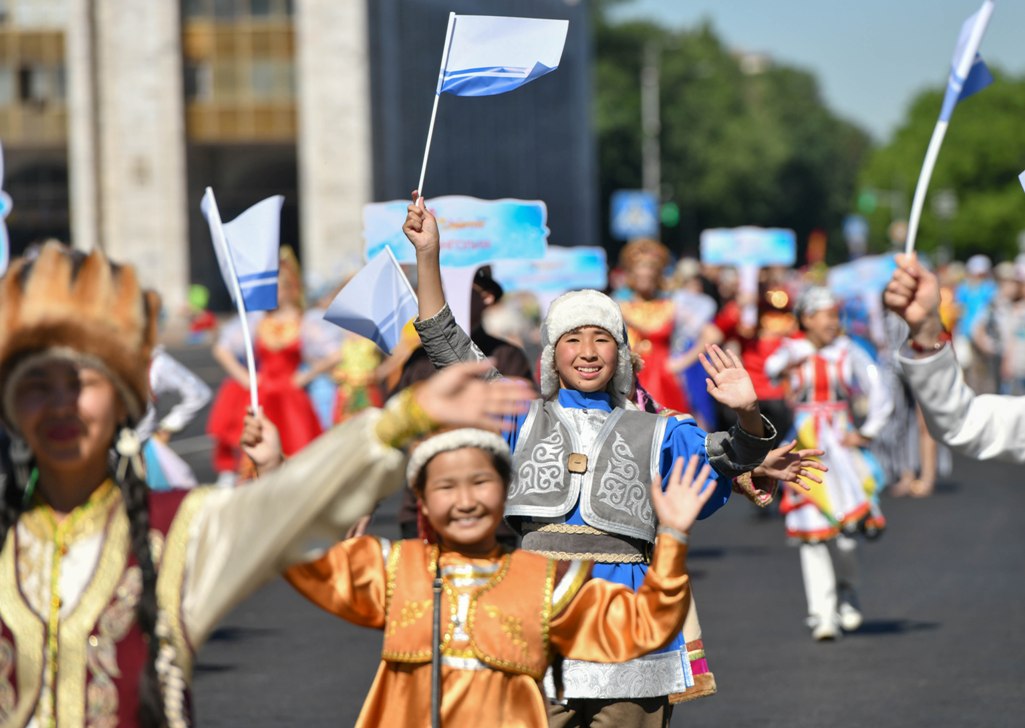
<point x="738" y="148"/>
<point x="980" y="160"/>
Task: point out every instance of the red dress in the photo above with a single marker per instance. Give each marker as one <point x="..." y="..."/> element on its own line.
<point x="650" y="327"/>
<point x="278" y="348"/>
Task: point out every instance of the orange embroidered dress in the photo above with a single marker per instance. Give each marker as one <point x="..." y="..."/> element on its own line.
<point x="505" y="617"/>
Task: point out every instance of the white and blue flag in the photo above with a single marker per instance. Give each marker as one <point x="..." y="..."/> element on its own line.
<point x="247" y="250"/>
<point x="376" y="303"/>
<point x="5" y="210"/>
<point x="489" y="54"/>
<point x="968" y="72"/>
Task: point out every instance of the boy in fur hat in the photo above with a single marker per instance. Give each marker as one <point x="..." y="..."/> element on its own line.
<point x="582" y="456"/>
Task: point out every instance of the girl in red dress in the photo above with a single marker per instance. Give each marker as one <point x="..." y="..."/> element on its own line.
<point x="278" y="343"/>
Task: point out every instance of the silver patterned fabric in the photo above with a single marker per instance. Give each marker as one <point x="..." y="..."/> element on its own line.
<point x="622" y="449"/>
<point x="650" y="676"/>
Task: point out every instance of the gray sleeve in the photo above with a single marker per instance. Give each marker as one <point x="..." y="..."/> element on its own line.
<point x="737" y="451"/>
<point x="446" y="343"/>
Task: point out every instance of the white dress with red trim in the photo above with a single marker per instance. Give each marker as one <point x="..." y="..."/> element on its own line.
<point x="823" y="383"/>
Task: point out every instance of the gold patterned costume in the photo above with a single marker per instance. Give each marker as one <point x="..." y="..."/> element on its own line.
<point x="506" y="616"/>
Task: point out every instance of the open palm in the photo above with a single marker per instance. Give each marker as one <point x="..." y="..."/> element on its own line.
<point x="685" y="495"/>
<point x="728" y="382"/>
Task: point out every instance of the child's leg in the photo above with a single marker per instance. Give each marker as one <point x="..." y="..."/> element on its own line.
<point x="848" y="580"/>
<point x="819" y="589"/>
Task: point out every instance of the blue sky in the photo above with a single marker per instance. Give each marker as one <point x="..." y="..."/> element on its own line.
<point x="871" y="56"/>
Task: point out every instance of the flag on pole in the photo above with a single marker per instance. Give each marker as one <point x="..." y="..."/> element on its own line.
<point x="968" y="75"/>
<point x="377" y="303"/>
<point x="486" y="55"/>
<point x="251" y="240"/>
<point x="961" y="85"/>
<point x="5" y="210"/>
<point x="490" y="55"/>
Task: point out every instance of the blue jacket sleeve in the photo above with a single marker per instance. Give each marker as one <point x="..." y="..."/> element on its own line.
<point x="684" y="438"/>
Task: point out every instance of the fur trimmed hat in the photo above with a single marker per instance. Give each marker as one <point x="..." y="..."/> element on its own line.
<point x="585" y="308"/>
<point x="455" y="440"/>
<point x="64" y="304"/>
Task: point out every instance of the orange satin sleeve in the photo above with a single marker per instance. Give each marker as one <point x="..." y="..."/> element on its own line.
<point x="608" y="622"/>
<point x="348" y="581"/>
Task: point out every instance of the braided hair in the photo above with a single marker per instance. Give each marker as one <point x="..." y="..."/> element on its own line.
<point x="135" y="494"/>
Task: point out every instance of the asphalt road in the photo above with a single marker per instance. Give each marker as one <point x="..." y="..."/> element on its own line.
<point x="943" y="643"/>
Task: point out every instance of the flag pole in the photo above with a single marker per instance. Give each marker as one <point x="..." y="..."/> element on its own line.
<point x="437" y="96"/>
<point x="240" y="303"/>
<point x="923" y="183"/>
<point x="959" y="75"/>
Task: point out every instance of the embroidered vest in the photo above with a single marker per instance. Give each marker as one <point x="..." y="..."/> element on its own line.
<point x="506" y="622"/>
<point x="101" y="650"/>
<point x="613" y="490"/>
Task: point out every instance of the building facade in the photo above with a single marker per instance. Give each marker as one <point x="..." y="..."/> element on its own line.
<point x="116" y="114"/>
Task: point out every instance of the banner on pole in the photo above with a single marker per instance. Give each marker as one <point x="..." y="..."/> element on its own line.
<point x="473" y="232"/>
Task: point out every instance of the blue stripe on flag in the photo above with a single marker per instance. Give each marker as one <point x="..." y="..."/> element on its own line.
<point x="262" y="297"/>
<point x="490" y="81"/>
<point x="959" y="89"/>
<point x="269" y="275"/>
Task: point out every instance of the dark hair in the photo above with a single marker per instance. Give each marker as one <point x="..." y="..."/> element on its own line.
<point x="501" y="465"/>
<point x="135" y="494"/>
<point x="10" y="505"/>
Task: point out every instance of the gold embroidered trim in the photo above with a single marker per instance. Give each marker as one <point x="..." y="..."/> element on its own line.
<point x="29" y="633"/>
<point x="403" y="420"/>
<point x="600" y="558"/>
<point x="75" y="628"/>
<point x="471" y="618"/>
<point x="88" y="519"/>
<point x="531" y="526"/>
<point x="578" y="579"/>
<point x="171" y="577"/>
<point x="696" y="655"/>
<point x="390" y="568"/>
<point x="546" y="608"/>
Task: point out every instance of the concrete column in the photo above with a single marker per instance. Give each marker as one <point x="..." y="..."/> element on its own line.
<point x="126" y="65"/>
<point x="335" y="156"/>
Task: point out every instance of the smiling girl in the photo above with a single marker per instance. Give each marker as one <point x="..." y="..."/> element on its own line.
<point x="508" y="613"/>
<point x="106" y="589"/>
<point x="582" y="459"/>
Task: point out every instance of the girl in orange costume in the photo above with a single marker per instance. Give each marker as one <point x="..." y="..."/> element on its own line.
<point x="508" y="612"/>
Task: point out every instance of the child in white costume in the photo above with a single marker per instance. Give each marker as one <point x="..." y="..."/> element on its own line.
<point x="826" y="369"/>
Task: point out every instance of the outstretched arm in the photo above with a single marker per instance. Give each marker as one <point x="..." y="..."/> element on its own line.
<point x="606" y="622"/>
<point x="421" y="227"/>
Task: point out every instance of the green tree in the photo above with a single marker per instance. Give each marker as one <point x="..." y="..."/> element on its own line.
<point x="979" y="162"/>
<point x="739" y="147"/>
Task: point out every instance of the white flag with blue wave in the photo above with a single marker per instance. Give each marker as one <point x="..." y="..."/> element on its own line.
<point x="490" y="54"/>
<point x="376" y="303"/>
<point x="968" y="72"/>
<point x="252" y="240"/>
<point x="5" y="210"/>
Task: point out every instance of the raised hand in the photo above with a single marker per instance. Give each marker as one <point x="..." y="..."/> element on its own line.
<point x="261" y="442"/>
<point x="730" y="384"/>
<point x="914" y="294"/>
<point x="457" y="397"/>
<point x="789" y="465"/>
<point x="687" y="492"/>
<point x="421" y="227"/>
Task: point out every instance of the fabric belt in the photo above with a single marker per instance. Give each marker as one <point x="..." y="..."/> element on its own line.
<point x="572" y="541"/>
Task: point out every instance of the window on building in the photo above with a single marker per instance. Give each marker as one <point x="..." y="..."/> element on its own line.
<point x="7" y="94"/>
<point x="225" y="9"/>
<point x="198" y="81"/>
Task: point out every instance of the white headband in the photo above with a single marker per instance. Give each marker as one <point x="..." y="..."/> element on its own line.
<point x="455" y="440"/>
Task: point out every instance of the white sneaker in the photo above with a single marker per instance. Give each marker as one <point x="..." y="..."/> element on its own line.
<point x="825" y="631"/>
<point x="850" y="617"/>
